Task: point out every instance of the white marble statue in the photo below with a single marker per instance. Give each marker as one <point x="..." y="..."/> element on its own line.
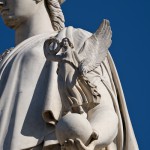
<point x="37" y="98"/>
<point x="75" y="86"/>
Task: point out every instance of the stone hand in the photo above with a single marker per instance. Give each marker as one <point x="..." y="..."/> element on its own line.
<point x="77" y="144"/>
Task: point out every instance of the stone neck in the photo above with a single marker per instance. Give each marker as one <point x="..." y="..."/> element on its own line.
<point x="38" y="23"/>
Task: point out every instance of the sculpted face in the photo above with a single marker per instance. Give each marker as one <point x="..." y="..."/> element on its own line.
<point x="15" y="12"/>
<point x="65" y="43"/>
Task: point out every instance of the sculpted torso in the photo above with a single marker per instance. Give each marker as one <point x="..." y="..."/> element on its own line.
<point x="39" y="90"/>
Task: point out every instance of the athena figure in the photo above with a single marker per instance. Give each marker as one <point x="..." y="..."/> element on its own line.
<point x="76" y="76"/>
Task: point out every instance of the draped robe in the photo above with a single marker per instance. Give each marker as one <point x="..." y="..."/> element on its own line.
<point x="30" y="104"/>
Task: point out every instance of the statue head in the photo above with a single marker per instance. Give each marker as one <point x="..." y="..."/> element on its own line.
<point x="66" y="43"/>
<point x="15" y="12"/>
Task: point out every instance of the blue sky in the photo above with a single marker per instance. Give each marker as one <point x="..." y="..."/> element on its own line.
<point x="130" y="21"/>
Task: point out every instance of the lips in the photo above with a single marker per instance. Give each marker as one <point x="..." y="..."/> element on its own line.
<point x="9" y="18"/>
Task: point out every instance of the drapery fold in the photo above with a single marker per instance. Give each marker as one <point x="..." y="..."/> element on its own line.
<point x="30" y="104"/>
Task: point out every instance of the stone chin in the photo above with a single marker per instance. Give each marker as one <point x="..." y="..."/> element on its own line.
<point x="11" y="20"/>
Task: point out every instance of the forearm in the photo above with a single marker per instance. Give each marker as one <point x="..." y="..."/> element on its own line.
<point x="104" y="121"/>
<point x="56" y="58"/>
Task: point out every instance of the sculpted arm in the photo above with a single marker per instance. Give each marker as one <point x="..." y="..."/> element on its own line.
<point x="104" y="120"/>
<point x="51" y="48"/>
<point x="54" y="57"/>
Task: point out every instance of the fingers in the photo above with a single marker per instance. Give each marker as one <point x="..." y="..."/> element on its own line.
<point x="63" y="147"/>
<point x="76" y="144"/>
<point x="69" y="145"/>
<point x="95" y="135"/>
<point x="71" y="142"/>
<point x="79" y="144"/>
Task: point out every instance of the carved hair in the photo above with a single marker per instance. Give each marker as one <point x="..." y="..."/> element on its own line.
<point x="69" y="42"/>
<point x="56" y="14"/>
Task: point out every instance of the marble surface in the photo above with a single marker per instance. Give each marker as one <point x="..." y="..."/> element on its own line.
<point x="32" y="101"/>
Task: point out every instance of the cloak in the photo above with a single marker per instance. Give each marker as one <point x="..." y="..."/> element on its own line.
<point x="30" y="104"/>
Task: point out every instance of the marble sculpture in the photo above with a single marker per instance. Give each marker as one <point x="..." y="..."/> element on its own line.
<point x="59" y="88"/>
